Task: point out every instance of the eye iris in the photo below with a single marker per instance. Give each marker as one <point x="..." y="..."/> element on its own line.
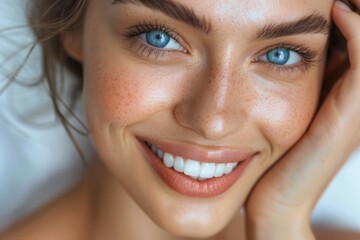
<point x="157" y="39"/>
<point x="279" y="56"/>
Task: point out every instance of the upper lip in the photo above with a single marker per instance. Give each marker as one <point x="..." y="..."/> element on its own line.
<point x="201" y="153"/>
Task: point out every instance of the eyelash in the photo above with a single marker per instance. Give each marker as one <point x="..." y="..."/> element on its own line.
<point x="308" y="56"/>
<point x="147" y="50"/>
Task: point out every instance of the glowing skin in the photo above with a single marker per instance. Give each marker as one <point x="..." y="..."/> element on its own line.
<point x="216" y="94"/>
<point x="212" y="96"/>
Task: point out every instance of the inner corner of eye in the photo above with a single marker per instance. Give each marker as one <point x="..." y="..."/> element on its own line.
<point x="262" y="57"/>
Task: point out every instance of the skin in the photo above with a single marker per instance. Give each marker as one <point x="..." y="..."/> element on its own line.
<point x="216" y="97"/>
<point x="213" y="97"/>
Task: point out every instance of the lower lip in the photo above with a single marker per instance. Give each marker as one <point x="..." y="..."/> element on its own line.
<point x="186" y="185"/>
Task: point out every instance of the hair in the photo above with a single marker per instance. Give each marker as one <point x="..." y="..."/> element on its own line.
<point x="49" y="19"/>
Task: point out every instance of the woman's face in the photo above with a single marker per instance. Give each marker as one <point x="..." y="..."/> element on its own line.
<point x="212" y="81"/>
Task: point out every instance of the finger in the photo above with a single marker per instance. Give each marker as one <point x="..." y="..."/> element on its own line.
<point x="348" y="23"/>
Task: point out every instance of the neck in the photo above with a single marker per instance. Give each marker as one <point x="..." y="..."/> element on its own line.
<point x="116" y="214"/>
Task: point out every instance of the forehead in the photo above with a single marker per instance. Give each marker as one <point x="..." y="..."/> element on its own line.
<point x="256" y="11"/>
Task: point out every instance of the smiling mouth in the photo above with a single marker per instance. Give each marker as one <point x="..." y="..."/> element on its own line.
<point x="190" y="167"/>
<point x="193" y="170"/>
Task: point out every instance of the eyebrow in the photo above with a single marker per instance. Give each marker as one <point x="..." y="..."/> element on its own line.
<point x="314" y="23"/>
<point x="174" y="10"/>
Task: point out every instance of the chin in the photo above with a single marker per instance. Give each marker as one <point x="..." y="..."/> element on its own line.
<point x="191" y="225"/>
<point x="193" y="218"/>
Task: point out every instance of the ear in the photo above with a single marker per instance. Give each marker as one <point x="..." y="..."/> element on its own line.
<point x="72" y="44"/>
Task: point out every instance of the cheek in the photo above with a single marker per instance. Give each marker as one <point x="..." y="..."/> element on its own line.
<point x="124" y="94"/>
<point x="114" y="97"/>
<point x="284" y="116"/>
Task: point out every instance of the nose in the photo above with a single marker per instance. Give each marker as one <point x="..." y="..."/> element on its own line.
<point x="212" y="107"/>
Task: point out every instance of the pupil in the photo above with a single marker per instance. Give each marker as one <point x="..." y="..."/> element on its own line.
<point x="158" y="39"/>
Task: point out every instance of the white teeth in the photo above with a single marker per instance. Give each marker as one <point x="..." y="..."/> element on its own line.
<point x="199" y="178"/>
<point x="168" y="160"/>
<point x="207" y="170"/>
<point x="160" y="154"/>
<point x="179" y="164"/>
<point x="219" y="170"/>
<point x="154" y="149"/>
<point x="192" y="168"/>
<point x="229" y="167"/>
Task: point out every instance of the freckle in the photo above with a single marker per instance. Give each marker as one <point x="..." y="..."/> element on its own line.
<point x="129" y="95"/>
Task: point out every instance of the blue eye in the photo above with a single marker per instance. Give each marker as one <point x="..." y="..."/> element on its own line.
<point x="157" y="39"/>
<point x="160" y="39"/>
<point x="281" y="56"/>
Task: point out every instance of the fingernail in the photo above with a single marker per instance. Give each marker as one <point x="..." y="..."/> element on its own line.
<point x="342" y="6"/>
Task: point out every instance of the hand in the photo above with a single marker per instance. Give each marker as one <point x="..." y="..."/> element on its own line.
<point x="281" y="203"/>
